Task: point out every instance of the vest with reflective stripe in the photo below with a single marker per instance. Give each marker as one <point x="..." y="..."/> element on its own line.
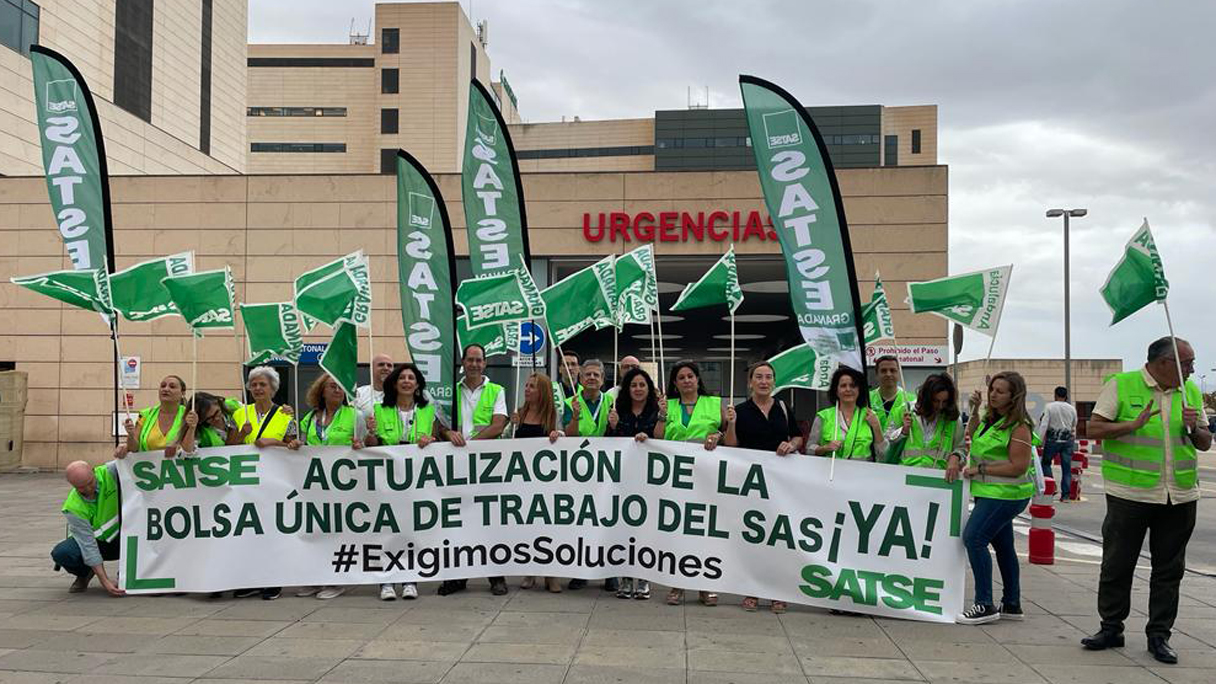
<point x="991" y="445"/>
<point x="483" y="412"/>
<point x="150" y="416"/>
<point x="339" y="432"/>
<point x="390" y="430"/>
<point x="705" y="419"/>
<point x="101" y="513"/>
<point x="931" y="453"/>
<point x="903" y="402"/>
<point x="1136" y="459"/>
<point x="856" y="442"/>
<point x="591" y="424"/>
<point x="277" y="429"/>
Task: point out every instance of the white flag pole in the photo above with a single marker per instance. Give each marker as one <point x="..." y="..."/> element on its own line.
<point x="658" y="312"/>
<point x="126" y="405"/>
<point x="616" y="370"/>
<point x="194" y="367"/>
<point x="1177" y="359"/>
<point x="650" y="319"/>
<point x="731" y="368"/>
<point x="518" y="356"/>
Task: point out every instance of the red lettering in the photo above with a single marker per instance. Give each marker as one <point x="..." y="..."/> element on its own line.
<point x="618" y="223"/>
<point x="714" y="233"/>
<point x="697" y="229"/>
<point x="643" y="221"/>
<point x="599" y="232"/>
<point x="754" y="226"/>
<point x="734" y="226"/>
<point x="667" y="221"/>
<point x="667" y="233"/>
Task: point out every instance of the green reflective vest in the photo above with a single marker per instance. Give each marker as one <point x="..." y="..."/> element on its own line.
<point x="102" y="512"/>
<point x="990" y="445"/>
<point x="210" y="437"/>
<point x="483" y="412"/>
<point x="339" y="432"/>
<point x="1136" y="459"/>
<point x="390" y="430"/>
<point x="904" y="401"/>
<point x="705" y="419"/>
<point x="591" y="424"/>
<point x="150" y="416"/>
<point x="277" y="429"/>
<point x="856" y="443"/>
<point x="929" y="451"/>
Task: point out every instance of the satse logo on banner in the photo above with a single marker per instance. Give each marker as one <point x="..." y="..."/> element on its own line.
<point x="422" y="209"/>
<point x="60" y="96"/>
<point x="781" y="129"/>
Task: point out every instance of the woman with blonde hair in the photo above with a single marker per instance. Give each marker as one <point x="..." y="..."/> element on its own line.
<point x="537" y="418"/>
<point x="331" y="421"/>
<point x="160" y="426"/>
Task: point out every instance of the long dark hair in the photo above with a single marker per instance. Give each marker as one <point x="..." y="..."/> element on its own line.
<point x="935" y="384"/>
<point x="859" y="379"/>
<point x="1017" y="414"/>
<point x="624" y="400"/>
<point x="672" y="391"/>
<point x="390" y="385"/>
<point x="203" y="402"/>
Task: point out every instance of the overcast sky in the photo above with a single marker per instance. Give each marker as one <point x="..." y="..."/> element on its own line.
<point x="1107" y="105"/>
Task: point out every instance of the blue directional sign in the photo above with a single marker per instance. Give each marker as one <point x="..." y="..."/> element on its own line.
<point x="531" y="338"/>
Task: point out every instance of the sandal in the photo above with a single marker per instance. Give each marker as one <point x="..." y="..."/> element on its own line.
<point x="779" y="607"/>
<point x="708" y="598"/>
<point x="553" y="584"/>
<point x="750" y="603"/>
<point x="528" y="582"/>
<point x="675" y="597"/>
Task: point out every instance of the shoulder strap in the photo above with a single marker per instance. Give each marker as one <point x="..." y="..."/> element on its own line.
<point x="269" y="416"/>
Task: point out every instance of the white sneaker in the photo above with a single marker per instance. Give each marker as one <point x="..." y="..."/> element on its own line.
<point x="305" y="592"/>
<point x="387" y="593"/>
<point x="328" y="593"/>
<point x="409" y="590"/>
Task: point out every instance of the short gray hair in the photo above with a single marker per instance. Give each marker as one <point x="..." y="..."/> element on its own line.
<point x="593" y="363"/>
<point x="1164" y="348"/>
<point x="269" y="373"/>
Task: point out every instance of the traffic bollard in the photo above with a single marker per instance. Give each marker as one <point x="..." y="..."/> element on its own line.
<point x="1042" y="536"/>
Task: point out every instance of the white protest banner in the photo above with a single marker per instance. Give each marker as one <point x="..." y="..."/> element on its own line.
<point x="878" y="539"/>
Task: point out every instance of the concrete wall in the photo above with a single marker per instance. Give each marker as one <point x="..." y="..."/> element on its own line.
<point x="1044" y="375"/>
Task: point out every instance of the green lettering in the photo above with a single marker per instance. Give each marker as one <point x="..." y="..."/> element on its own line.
<point x="816" y="578"/>
<point x="899" y="533"/>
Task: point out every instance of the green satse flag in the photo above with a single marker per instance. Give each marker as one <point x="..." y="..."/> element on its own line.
<point x="876" y="315"/>
<point x="804" y="201"/>
<point x="719" y="285"/>
<point x="492" y="338"/>
<point x="490" y="190"/>
<point x="802" y="367"/>
<point x="342" y="295"/>
<point x="203" y="299"/>
<point x="974" y="299"/>
<point x="497" y="299"/>
<point x="579" y="301"/>
<point x="76" y="288"/>
<point x="637" y="292"/>
<point x="137" y="292"/>
<point x="1138" y="279"/>
<point x="425" y="277"/>
<point x="274" y="330"/>
<point x="73" y="157"/>
<point x="341" y="357"/>
<point x="320" y="273"/>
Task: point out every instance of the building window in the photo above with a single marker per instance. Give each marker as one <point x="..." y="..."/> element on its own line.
<point x="19" y="24"/>
<point x="915" y="141"/>
<point x="388" y="121"/>
<point x="389" y="81"/>
<point x="628" y="151"/>
<point x="390" y="41"/>
<point x="890" y="150"/>
<point x="473" y="58"/>
<point x="133" y="57"/>
<point x="296" y="147"/>
<point x="295" y="111"/>
<point x="388" y="160"/>
<point x="204" y="93"/>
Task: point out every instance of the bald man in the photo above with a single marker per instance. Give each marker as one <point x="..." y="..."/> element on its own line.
<point x="91" y="510"/>
<point x="367" y="396"/>
<point x="626" y="364"/>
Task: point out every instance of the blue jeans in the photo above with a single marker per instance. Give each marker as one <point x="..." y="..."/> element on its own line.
<point x="1052" y="447"/>
<point x="991" y="522"/>
<point x="67" y="555"/>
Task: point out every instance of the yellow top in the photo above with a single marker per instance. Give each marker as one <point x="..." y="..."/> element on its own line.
<point x="156" y="438"/>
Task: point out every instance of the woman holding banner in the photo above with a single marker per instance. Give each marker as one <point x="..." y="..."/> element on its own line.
<point x="216" y="427"/>
<point x="1002" y="484"/>
<point x="638" y="412"/>
<point x="849" y="428"/>
<point x="930" y="435"/>
<point x="405" y="416"/>
<point x="763" y="423"/>
<point x="537" y="418"/>
<point x="694" y="415"/>
<point x="160" y="426"/>
<point x="332" y="421"/>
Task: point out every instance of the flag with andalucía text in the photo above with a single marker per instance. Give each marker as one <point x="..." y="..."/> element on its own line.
<point x="75" y="288"/>
<point x="974" y="299"/>
<point x="341" y="357"/>
<point x="507" y="297"/>
<point x="801" y="367"/>
<point x="637" y="289"/>
<point x="580" y="301"/>
<point x="719" y="285"/>
<point x="1138" y="279"/>
<point x="204" y="299"/>
<point x="137" y="291"/>
<point x="876" y="315"/>
<point x="338" y="291"/>
<point x="273" y="330"/>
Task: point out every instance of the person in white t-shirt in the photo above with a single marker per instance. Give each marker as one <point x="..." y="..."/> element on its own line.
<point x="367" y="396"/>
<point x="1057" y="428"/>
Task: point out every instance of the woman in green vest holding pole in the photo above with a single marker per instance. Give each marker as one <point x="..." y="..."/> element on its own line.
<point x="849" y="428"/>
<point x="215" y="427"/>
<point x="332" y="421"/>
<point x="405" y="416"/>
<point x="160" y="426"/>
<point x="1001" y="483"/>
<point x="693" y="415"/>
<point x="929" y="434"/>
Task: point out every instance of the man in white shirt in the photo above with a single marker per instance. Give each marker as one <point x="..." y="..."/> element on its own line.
<point x="1058" y="429"/>
<point x="367" y="396"/>
<point x="481" y="413"/>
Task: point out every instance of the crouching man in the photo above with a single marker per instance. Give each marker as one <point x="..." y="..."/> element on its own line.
<point x="91" y="510"/>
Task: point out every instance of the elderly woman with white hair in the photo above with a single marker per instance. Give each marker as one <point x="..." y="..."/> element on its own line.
<point x="264" y="423"/>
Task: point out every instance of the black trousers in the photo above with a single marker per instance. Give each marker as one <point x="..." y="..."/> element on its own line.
<point x="1169" y="527"/>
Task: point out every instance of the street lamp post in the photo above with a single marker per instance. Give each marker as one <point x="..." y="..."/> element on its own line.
<point x="1067" y="213"/>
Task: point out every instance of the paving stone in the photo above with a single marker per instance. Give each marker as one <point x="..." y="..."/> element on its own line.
<point x="353" y="615"/>
<point x="703" y="677"/>
<point x="632" y="637"/>
<point x="855" y="648"/>
<point x="269" y="667"/>
<point x="980" y="673"/>
<point x="876" y="668"/>
<point x="718" y="660"/>
<point x="306" y="648"/>
<point x="21" y="638"/>
<point x="232" y="628"/>
<point x="200" y="645"/>
<point x="158" y="664"/>
<point x="54" y="661"/>
<point x="158" y="626"/>
<point x="1183" y="675"/>
<point x="666" y="623"/>
<point x="92" y="642"/>
<point x="608" y="674"/>
<point x="429" y="615"/>
<point x="48" y="623"/>
<point x="526" y="620"/>
<point x="1071" y="654"/>
<point x="95" y="678"/>
<point x="632" y="656"/>
<point x="735" y="625"/>
<point x="448" y="651"/>
<point x="402" y="631"/>
<point x="1096" y="674"/>
<point x="397" y="671"/>
<point x="8" y="677"/>
<point x="503" y="652"/>
<point x="321" y="630"/>
<point x="536" y="635"/>
<point x="761" y="643"/>
<point x="504" y="673"/>
<point x="255" y="609"/>
<point x="918" y="651"/>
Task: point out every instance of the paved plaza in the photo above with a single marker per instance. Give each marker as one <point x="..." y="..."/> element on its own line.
<point x="532" y="637"/>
